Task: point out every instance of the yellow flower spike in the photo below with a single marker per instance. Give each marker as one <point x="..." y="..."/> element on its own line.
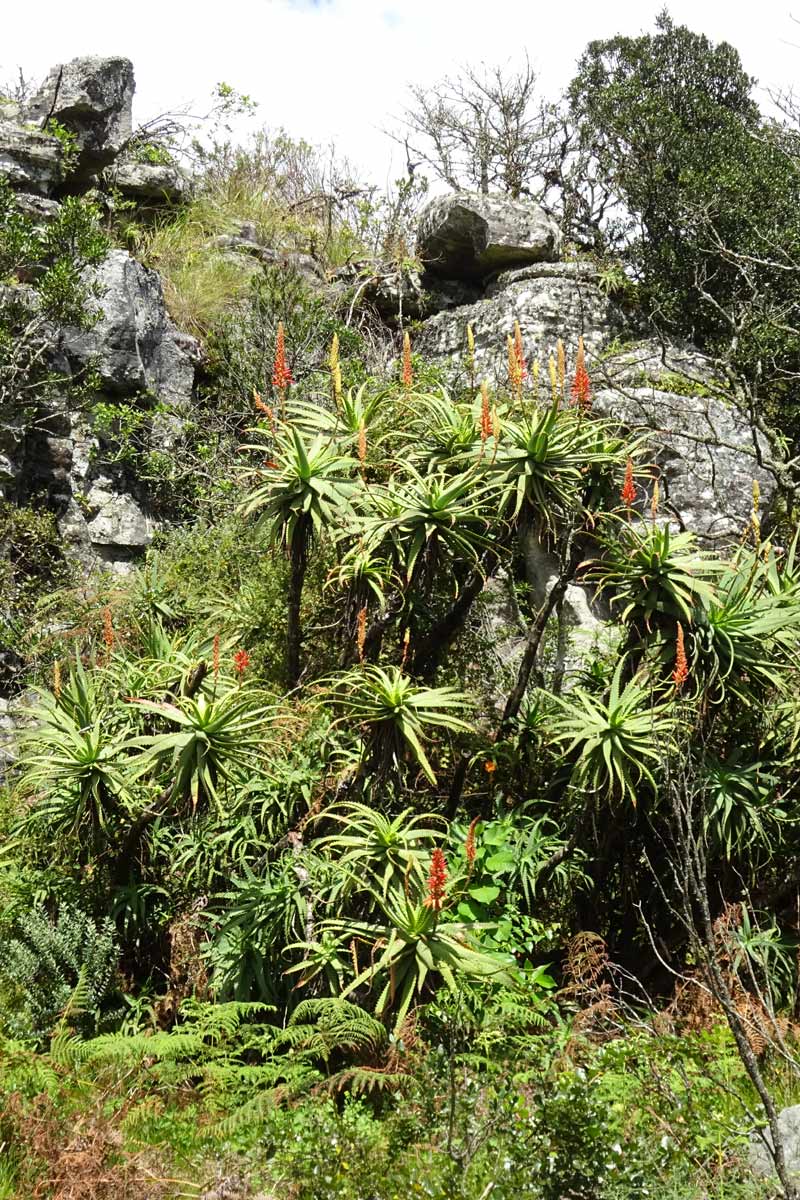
<point x="535" y="377"/>
<point x="656" y="498"/>
<point x="470" y="351"/>
<point x="562" y="366"/>
<point x="513" y="364"/>
<point x="755" y="519"/>
<point x="551" y="367"/>
<point x="336" y="371"/>
<point x="56" y="679"/>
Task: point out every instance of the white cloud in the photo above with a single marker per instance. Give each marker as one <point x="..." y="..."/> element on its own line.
<point x="337" y="69"/>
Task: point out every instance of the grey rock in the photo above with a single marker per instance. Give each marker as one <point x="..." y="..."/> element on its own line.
<point x="91" y="97"/>
<point x="30" y="160"/>
<point x="758" y="1151"/>
<point x="39" y="208"/>
<point x="118" y="519"/>
<point x="703" y="447"/>
<point x="134" y="345"/>
<point x="577" y="270"/>
<point x="560" y="304"/>
<point x="466" y="236"/>
<point x="156" y="183"/>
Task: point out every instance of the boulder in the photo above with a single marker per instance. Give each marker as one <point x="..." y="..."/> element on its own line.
<point x="758" y="1152"/>
<point x="465" y="236"/>
<point x="703" y="448"/>
<point x="39" y="208"/>
<point x="31" y="161"/>
<point x="134" y="345"/>
<point x="91" y="97"/>
<point x="151" y="183"/>
<point x="550" y="301"/>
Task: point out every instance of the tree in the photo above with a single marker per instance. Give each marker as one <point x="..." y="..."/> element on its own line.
<point x="702" y="196"/>
<point x="480" y="130"/>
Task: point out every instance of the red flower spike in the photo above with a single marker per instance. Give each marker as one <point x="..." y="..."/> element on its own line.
<point x="581" y="390"/>
<point x="436" y="881"/>
<point x="241" y="661"/>
<point x="628" y="493"/>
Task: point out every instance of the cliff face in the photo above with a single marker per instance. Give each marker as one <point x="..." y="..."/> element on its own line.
<point x="133" y="350"/>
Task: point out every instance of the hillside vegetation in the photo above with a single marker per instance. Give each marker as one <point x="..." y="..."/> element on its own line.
<point x="335" y="860"/>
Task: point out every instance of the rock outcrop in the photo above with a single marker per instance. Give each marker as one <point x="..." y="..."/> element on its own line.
<point x="77" y="125"/>
<point x="468" y="237"/>
<point x="704" y="449"/>
<point x="550" y="301"/>
<point x="138" y="355"/>
<point x="92" y="98"/>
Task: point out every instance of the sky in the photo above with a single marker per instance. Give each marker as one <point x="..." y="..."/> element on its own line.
<point x="338" y="70"/>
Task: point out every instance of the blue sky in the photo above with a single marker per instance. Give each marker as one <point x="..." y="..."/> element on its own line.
<point x="337" y="69"/>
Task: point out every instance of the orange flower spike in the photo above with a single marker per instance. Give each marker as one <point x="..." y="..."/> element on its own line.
<point x="281" y="375"/>
<point x="628" y="492"/>
<point x="437" y="880"/>
<point x="581" y="390"/>
<point x="681" y="672"/>
<point x="361" y="632"/>
<point x="108" y="630"/>
<point x="215" y="656"/>
<point x="470" y="848"/>
<point x="407" y="376"/>
<point x="266" y="409"/>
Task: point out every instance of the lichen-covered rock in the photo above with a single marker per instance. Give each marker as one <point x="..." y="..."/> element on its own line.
<point x="703" y="447"/>
<point x="134" y="345"/>
<point x="551" y="301"/>
<point x="758" y="1152"/>
<point x="39" y="208"/>
<point x="466" y="236"/>
<point x="151" y="183"/>
<point x="31" y="161"/>
<point x="91" y="97"/>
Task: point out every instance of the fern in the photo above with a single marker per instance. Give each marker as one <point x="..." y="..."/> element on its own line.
<point x="61" y="970"/>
